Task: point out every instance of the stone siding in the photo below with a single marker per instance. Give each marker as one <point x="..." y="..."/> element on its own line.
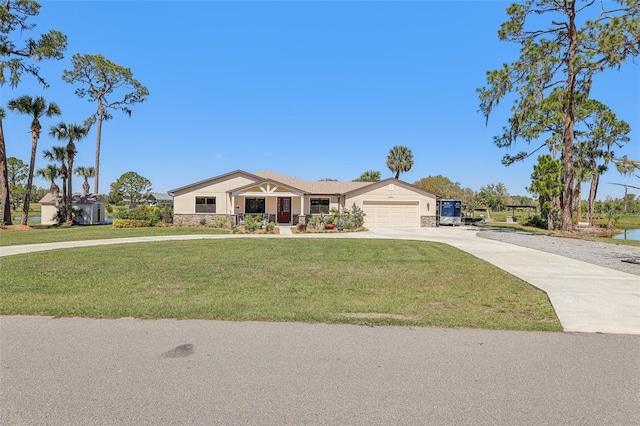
<point x="195" y="219"/>
<point x="427" y="221"/>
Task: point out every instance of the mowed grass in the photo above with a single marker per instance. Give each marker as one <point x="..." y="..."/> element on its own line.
<point x="96" y="232"/>
<point x="266" y="279"/>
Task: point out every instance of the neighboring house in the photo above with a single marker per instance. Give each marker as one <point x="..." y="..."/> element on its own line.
<point x="159" y="199"/>
<point x="289" y="201"/>
<point x="91" y="209"/>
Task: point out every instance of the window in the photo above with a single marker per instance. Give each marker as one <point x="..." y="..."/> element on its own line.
<point x="254" y="205"/>
<point x="319" y="205"/>
<point x="205" y="204"/>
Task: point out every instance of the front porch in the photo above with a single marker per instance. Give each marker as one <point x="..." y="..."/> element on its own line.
<point x="285" y="205"/>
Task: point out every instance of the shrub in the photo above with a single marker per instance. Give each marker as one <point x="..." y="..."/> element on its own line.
<point x="252" y="222"/>
<point x="203" y="221"/>
<point x="144" y="213"/>
<point x="109" y="208"/>
<point x="131" y="223"/>
<point x="536" y="222"/>
<point x="219" y="222"/>
<point x="357" y="216"/>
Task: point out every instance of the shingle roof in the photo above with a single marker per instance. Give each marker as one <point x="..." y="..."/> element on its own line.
<point x="159" y="196"/>
<point x="77" y="198"/>
<point x="312" y="187"/>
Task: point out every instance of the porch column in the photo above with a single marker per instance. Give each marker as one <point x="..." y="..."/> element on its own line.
<point x="233" y="205"/>
<point x="302" y="219"/>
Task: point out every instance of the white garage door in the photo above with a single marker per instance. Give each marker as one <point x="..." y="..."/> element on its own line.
<point x="391" y="214"/>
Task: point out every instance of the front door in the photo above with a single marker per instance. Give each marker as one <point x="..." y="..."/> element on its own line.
<point x="284" y="210"/>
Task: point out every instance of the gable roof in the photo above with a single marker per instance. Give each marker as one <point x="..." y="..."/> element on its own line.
<point x="76" y="199"/>
<point x="159" y="196"/>
<point x="396" y="182"/>
<point x="212" y="179"/>
<point x="306" y="186"/>
<point x="313" y="187"/>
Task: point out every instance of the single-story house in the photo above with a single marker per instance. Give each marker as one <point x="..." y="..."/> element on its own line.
<point x="91" y="207"/>
<point x="289" y="201"/>
<point x="160" y="199"/>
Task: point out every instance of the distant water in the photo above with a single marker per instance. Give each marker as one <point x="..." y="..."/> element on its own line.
<point x="107" y="219"/>
<point x="33" y="218"/>
<point x="628" y="234"/>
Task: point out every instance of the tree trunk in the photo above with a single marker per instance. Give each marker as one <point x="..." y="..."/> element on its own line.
<point x="578" y="194"/>
<point x="592" y="197"/>
<point x="96" y="179"/>
<point x="35" y="134"/>
<point x="63" y="175"/>
<point x="567" y="150"/>
<point x="69" y="201"/>
<point x="4" y="180"/>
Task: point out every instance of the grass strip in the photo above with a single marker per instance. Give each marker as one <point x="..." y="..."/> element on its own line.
<point x="96" y="232"/>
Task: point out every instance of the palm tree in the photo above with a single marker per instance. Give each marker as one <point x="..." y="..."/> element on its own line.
<point x="86" y="173"/>
<point x="36" y="108"/>
<point x="369" y="176"/>
<point x="399" y="160"/>
<point x="71" y="133"/>
<point x="59" y="154"/>
<point x="51" y="172"/>
<point x="4" y="176"/>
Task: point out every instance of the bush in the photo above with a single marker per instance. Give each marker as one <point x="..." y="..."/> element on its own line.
<point x="536" y="222"/>
<point x="219" y="222"/>
<point x="153" y="215"/>
<point x="357" y="216"/>
<point x="131" y="223"/>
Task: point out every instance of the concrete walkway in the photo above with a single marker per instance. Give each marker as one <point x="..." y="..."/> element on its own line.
<point x="587" y="298"/>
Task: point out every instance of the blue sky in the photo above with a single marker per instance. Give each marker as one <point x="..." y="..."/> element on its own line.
<point x="309" y="89"/>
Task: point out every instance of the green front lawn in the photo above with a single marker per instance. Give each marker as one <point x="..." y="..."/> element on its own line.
<point x="95" y="232"/>
<point x="310" y="280"/>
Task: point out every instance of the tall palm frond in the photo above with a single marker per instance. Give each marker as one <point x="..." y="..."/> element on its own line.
<point x="86" y="173"/>
<point x="399" y="160"/>
<point x="51" y="172"/>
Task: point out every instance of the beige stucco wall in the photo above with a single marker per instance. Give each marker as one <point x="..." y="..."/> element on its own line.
<point x="48" y="214"/>
<point x="393" y="191"/>
<point x="184" y="201"/>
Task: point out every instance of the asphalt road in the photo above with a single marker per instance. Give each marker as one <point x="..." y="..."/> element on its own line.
<point x="74" y="371"/>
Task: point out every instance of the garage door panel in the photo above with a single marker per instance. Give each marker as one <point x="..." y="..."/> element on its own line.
<point x="391" y="214"/>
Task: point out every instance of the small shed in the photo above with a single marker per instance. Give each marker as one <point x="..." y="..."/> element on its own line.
<point x="91" y="206"/>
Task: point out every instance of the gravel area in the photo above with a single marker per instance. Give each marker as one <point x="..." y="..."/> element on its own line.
<point x="603" y="254"/>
